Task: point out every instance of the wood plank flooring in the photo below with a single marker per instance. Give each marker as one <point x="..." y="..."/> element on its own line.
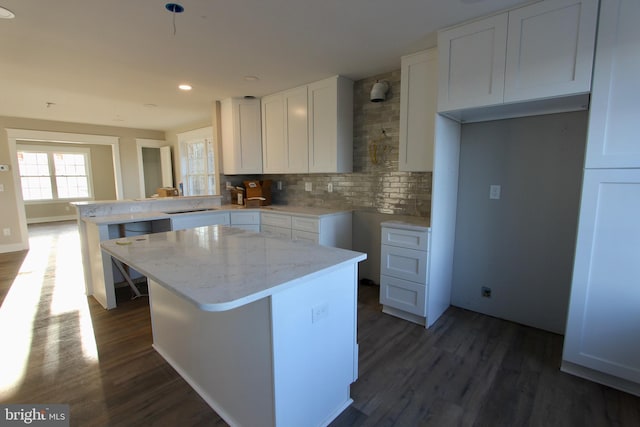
<point x="468" y="370"/>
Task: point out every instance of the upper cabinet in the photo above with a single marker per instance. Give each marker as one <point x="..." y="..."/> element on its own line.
<point x="241" y="137"/>
<point x="330" y="104"/>
<point x="612" y="138"/>
<point x="472" y="58"/>
<point x="418" y="95"/>
<point x="537" y="52"/>
<point x="285" y="132"/>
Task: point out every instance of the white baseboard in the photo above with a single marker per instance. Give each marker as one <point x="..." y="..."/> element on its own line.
<point x="51" y="219"/>
<point x="601" y="378"/>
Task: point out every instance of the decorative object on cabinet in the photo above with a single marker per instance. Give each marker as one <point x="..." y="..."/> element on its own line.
<point x="379" y="91"/>
<point x="542" y="51"/>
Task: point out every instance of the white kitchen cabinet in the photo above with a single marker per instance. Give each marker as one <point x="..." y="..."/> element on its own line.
<point x="241" y="136"/>
<point x="329" y="230"/>
<point x="285" y="142"/>
<point x="471" y="64"/>
<point x="404" y="271"/>
<point x="247" y="220"/>
<point x="418" y="108"/>
<point x="550" y="48"/>
<point x="198" y="219"/>
<point x="296" y="130"/>
<point x="273" y="134"/>
<point x="613" y="119"/>
<point x="536" y="52"/>
<point x="601" y="340"/>
<point x="330" y="109"/>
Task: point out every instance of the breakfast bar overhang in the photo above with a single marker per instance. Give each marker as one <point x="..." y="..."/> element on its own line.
<point x="263" y="328"/>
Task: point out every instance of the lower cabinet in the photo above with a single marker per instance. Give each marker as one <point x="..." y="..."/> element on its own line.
<point x="330" y="230"/>
<point x="404" y="260"/>
<point x="602" y="336"/>
<point x="199" y="219"/>
<point x="247" y="220"/>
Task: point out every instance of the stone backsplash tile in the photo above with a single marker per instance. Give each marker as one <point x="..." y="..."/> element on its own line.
<point x="376" y="184"/>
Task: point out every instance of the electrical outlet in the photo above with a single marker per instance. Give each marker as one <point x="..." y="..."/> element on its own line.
<point x="279" y="185"/>
<point x="1" y="188"/>
<point x="6" y="232"/>
<point x="319" y="312"/>
<point x="330" y="187"/>
<point x="308" y="186"/>
<point x="494" y="192"/>
<point x="485" y="292"/>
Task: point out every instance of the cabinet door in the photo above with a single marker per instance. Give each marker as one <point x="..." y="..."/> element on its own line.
<point x="550" y="49"/>
<point x="403" y="295"/>
<point x="418" y="99"/>
<point x="304" y="223"/>
<point x="305" y="235"/>
<point x="276" y="231"/>
<point x="241" y="136"/>
<point x="613" y="120"/>
<point x="274" y="152"/>
<point x="239" y="218"/>
<point x="330" y="106"/>
<point x="604" y="310"/>
<point x="296" y="130"/>
<point x="471" y="64"/>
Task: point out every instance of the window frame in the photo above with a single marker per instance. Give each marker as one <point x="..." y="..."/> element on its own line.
<point x="212" y="177"/>
<point x="50" y="151"/>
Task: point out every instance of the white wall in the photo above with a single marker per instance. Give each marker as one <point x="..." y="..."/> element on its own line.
<point x="522" y="245"/>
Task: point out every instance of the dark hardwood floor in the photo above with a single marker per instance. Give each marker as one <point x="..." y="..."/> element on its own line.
<point x="59" y="346"/>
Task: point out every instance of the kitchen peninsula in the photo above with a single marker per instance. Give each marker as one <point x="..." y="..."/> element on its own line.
<point x="262" y="327"/>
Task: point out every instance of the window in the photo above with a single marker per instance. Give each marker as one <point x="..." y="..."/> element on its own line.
<point x="198" y="162"/>
<point x="54" y="173"/>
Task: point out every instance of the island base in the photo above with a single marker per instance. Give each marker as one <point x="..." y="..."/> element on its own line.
<point x="285" y="360"/>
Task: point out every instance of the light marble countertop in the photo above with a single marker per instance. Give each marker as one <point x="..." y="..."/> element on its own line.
<point x="219" y="268"/>
<point x="415" y="224"/>
<point x="154" y="215"/>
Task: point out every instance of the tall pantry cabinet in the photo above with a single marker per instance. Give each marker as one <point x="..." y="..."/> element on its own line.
<point x="602" y="340"/>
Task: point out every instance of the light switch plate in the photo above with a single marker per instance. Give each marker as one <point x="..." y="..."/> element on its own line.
<point x="308" y="186"/>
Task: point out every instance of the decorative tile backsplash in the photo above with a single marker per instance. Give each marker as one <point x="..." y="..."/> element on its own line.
<point x="376" y="184"/>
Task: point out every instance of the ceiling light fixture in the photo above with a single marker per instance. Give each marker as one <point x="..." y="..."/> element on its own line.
<point x="251" y="78"/>
<point x="185" y="87"/>
<point x="6" y="13"/>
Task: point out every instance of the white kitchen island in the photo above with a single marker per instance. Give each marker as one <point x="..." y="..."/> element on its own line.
<point x="263" y="328"/>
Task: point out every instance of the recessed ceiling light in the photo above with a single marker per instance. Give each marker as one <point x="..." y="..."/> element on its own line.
<point x="251" y="78"/>
<point x="185" y="87"/>
<point x="150" y="105"/>
<point x="6" y="13"/>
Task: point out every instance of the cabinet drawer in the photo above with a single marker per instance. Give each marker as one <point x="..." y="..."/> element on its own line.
<point x="245" y="218"/>
<point x="411" y="239"/>
<point x="276" y="231"/>
<point x="402" y="263"/>
<point x="305" y="235"/>
<point x="276" y="220"/>
<point x="305" y="224"/>
<point x="403" y="295"/>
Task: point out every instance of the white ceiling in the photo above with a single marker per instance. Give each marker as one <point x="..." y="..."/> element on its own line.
<point x="104" y="61"/>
